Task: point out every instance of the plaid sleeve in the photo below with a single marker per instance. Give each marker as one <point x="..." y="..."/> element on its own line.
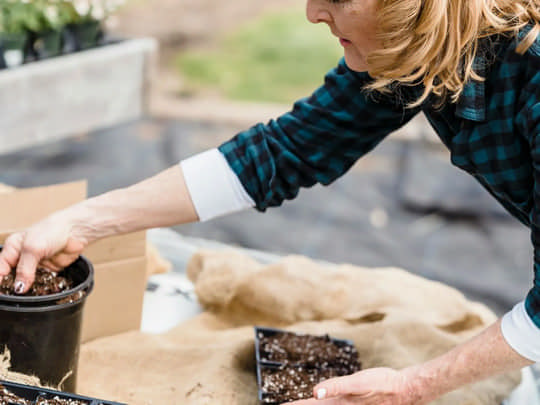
<point x="530" y="120"/>
<point x="317" y="142"/>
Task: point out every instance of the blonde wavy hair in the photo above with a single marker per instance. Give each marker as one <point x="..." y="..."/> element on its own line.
<point x="434" y="42"/>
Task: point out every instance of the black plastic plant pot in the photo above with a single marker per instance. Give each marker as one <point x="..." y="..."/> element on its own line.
<point x="2" y="61"/>
<point x="14" y="48"/>
<point x="40" y="396"/>
<point x="86" y="35"/>
<point x="42" y="333"/>
<point x="48" y="44"/>
<point x="13" y="41"/>
<point x="69" y="42"/>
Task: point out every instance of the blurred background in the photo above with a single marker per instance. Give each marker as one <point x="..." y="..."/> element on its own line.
<point x="115" y="91"/>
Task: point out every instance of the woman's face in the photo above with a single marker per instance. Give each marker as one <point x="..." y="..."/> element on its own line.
<point x="353" y="22"/>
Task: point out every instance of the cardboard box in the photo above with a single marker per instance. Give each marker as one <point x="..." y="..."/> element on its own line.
<point x="118" y="261"/>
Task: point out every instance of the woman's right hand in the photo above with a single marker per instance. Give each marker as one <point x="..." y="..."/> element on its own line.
<point x="51" y="244"/>
<point x="57" y="241"/>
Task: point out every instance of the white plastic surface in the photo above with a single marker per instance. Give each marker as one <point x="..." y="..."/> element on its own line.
<point x="168" y="302"/>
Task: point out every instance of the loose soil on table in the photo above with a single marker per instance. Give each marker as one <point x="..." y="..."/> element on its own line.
<point x="305" y="361"/>
<point x="46" y="283"/>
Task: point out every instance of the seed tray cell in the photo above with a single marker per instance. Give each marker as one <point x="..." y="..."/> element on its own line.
<point x="289" y="366"/>
<point x="28" y="395"/>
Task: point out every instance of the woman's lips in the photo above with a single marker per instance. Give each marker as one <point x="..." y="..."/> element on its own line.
<point x="344" y="42"/>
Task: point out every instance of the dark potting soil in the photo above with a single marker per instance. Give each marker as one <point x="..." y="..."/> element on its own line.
<point x="46" y="283"/>
<point x="72" y="298"/>
<point x="305" y="361"/>
<point x="291" y="383"/>
<point x="308" y="350"/>
<point x="59" y="401"/>
<point x="8" y="398"/>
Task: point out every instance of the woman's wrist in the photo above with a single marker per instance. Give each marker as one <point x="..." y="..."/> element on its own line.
<point x="422" y="383"/>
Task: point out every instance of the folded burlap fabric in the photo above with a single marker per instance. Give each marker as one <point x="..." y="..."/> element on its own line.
<point x="394" y="318"/>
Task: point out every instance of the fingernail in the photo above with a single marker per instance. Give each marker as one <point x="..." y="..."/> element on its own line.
<point x="19" y="287"/>
<point x="321" y="393"/>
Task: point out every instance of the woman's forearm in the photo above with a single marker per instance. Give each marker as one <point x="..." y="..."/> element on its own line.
<point x="162" y="200"/>
<point x="485" y="355"/>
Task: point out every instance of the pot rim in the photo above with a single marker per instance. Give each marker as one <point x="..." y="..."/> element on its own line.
<point x="16" y="308"/>
<point x="88" y="282"/>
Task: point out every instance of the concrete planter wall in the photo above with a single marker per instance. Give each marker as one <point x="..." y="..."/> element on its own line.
<point x="72" y="94"/>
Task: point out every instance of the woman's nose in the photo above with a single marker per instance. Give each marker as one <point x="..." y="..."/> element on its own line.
<point x="316" y="11"/>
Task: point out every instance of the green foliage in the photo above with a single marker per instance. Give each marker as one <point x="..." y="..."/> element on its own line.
<point x="14" y="16"/>
<point x="279" y="58"/>
<point x="70" y="15"/>
<point x="18" y="16"/>
<point x="37" y="15"/>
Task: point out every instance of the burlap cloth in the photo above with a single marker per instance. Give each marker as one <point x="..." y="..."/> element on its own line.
<point x="394" y="318"/>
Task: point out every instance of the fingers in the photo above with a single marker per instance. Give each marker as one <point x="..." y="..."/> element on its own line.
<point x="63" y="260"/>
<point x="9" y="256"/>
<point x="26" y="271"/>
<point x="50" y="266"/>
<point x="340" y="386"/>
<point x="329" y="401"/>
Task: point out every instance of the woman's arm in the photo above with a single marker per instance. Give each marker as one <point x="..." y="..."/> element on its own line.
<point x="55" y="242"/>
<point x="483" y="356"/>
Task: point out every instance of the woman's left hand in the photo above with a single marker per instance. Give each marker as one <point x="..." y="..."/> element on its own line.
<point x="377" y="386"/>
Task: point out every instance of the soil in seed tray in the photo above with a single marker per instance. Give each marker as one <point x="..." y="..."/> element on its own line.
<point x="310" y="351"/>
<point x="46" y="283"/>
<point x="8" y="398"/>
<point x="291" y="383"/>
<point x="59" y="401"/>
<point x="305" y="361"/>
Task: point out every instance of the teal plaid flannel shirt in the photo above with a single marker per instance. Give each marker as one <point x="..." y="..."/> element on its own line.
<point x="492" y="132"/>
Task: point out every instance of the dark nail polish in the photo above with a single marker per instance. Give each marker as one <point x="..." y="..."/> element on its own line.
<point x="19" y="287"/>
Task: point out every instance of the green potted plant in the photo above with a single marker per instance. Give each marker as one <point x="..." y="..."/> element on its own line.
<point x="85" y="22"/>
<point x="87" y="18"/>
<point x="45" y="22"/>
<point x="13" y="33"/>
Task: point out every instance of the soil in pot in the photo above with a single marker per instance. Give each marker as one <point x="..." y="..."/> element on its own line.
<point x="46" y="283"/>
<point x="292" y="364"/>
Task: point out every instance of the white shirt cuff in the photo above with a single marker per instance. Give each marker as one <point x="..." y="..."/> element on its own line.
<point x="521" y="333"/>
<point x="213" y="186"/>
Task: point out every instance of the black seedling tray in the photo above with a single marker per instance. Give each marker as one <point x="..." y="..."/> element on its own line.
<point x="265" y="364"/>
<point x="31" y="393"/>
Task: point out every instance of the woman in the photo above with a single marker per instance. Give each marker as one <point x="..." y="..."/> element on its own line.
<point x="472" y="66"/>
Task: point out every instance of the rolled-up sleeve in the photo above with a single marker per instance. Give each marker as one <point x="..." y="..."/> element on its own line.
<point x="316" y="142"/>
<point x="521" y="326"/>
